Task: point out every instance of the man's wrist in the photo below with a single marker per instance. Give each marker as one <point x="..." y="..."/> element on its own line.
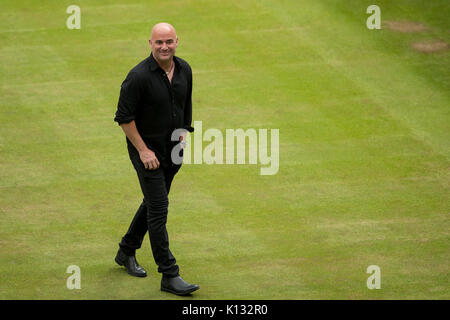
<point x="142" y="147"/>
<point x="144" y="150"/>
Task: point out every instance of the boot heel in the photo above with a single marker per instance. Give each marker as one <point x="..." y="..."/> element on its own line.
<point x="118" y="262"/>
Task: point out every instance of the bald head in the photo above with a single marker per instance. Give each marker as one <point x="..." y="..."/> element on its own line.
<point x="163" y="42"/>
<point x="163" y="28"/>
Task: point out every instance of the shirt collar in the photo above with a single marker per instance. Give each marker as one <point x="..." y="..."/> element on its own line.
<point x="154" y="64"/>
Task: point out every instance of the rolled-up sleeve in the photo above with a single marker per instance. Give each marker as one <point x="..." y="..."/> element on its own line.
<point x="128" y="100"/>
<point x="188" y="105"/>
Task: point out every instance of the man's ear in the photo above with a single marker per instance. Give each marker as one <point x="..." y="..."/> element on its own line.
<point x="150" y="42"/>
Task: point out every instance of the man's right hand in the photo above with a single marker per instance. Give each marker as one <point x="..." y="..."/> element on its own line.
<point x="149" y="159"/>
<point x="147" y="156"/>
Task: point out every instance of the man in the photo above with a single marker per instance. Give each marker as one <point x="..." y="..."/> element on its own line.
<point x="155" y="100"/>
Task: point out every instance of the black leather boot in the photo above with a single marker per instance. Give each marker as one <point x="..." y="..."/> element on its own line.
<point x="177" y="285"/>
<point x="130" y="263"/>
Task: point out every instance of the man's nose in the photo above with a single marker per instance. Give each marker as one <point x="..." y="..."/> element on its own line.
<point x="164" y="46"/>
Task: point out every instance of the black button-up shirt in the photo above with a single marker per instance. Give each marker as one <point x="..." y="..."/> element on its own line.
<point x="157" y="106"/>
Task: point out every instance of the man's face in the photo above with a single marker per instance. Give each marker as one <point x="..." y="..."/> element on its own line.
<point x="163" y="42"/>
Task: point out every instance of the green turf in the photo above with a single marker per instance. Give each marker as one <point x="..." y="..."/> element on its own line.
<point x="364" y="150"/>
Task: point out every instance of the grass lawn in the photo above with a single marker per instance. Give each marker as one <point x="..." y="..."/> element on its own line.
<point x="364" y="149"/>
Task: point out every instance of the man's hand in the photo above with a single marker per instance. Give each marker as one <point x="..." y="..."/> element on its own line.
<point x="147" y="156"/>
<point x="149" y="159"/>
<point x="183" y="139"/>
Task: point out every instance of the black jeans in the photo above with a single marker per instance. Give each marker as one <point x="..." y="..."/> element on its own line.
<point x="151" y="215"/>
